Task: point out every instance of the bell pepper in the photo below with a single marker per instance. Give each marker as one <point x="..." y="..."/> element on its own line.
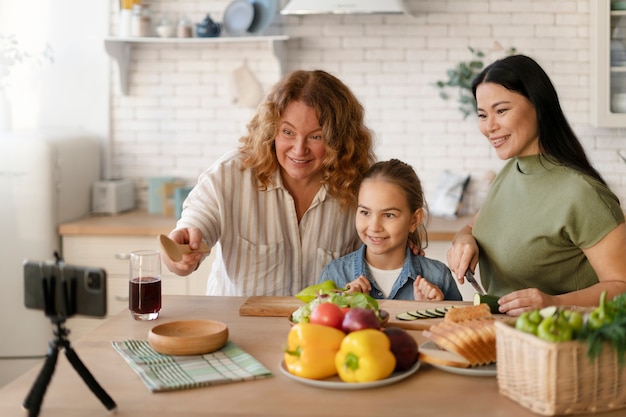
<point x="602" y="315"/>
<point x="311" y="349"/>
<point x="528" y="322"/>
<point x="575" y="320"/>
<point x="555" y="329"/>
<point x="365" y="356"/>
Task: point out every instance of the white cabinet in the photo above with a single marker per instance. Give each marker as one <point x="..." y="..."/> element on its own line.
<point x="112" y="253"/>
<point x="608" y="69"/>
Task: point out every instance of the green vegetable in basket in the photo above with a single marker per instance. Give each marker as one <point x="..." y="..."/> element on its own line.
<point x="555" y="328"/>
<point x="601" y="315"/>
<point x="528" y="322"/>
<point x="612" y="332"/>
<point x="575" y="320"/>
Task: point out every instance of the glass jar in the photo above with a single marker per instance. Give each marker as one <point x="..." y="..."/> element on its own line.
<point x="183" y="30"/>
<point x="141" y="21"/>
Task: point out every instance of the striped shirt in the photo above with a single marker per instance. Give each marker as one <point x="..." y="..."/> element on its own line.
<point x="260" y="248"/>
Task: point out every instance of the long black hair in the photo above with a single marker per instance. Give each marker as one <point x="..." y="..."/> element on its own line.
<point x="523" y="75"/>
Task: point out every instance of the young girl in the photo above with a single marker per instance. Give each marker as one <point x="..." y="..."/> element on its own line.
<point x="390" y="209"/>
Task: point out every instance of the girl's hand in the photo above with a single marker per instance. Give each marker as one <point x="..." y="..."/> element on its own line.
<point x="517" y="302"/>
<point x="361" y="284"/>
<point x="424" y="290"/>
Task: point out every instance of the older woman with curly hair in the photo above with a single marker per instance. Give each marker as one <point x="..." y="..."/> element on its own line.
<point x="282" y="206"/>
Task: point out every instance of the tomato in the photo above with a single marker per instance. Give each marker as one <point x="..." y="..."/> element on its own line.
<point x="327" y="314"/>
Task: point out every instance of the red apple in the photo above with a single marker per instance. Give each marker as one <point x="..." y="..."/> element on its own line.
<point x="403" y="346"/>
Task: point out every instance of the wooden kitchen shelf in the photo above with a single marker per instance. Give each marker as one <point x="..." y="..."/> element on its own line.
<point x="120" y="49"/>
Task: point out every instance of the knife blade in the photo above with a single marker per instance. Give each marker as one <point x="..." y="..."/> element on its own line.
<point x="470" y="278"/>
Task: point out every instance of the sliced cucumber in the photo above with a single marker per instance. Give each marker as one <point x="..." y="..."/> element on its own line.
<point x="406" y="316"/>
<point x="442" y="310"/>
<point x="490" y="300"/>
<point x="430" y="312"/>
<point x="418" y="313"/>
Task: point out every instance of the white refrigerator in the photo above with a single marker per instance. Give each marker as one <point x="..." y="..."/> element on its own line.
<point x="45" y="180"/>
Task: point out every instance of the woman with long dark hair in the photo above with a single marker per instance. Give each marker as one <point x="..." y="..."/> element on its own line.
<point x="550" y="231"/>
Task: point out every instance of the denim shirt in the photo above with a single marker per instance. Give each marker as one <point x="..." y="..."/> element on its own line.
<point x="351" y="266"/>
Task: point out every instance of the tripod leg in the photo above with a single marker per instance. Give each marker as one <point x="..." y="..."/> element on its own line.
<point x="91" y="382"/>
<point x="35" y="397"/>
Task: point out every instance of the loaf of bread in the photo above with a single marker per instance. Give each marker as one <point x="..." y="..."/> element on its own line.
<point x="467" y="334"/>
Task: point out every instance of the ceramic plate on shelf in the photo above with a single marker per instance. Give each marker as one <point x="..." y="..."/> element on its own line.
<point x="336" y="383"/>
<point x="264" y="13"/>
<point x="487" y="370"/>
<point x="237" y="17"/>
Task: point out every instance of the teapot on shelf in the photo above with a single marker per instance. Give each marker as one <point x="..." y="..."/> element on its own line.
<point x="208" y="28"/>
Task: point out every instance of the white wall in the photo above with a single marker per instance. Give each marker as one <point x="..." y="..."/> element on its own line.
<point x="72" y="93"/>
<point x="178" y="117"/>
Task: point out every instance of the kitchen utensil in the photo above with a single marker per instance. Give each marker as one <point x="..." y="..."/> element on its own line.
<point x="264" y="13"/>
<point x="238" y="17"/>
<point x="188" y="337"/>
<point x="176" y="250"/>
<point x="208" y="28"/>
<point x="470" y="278"/>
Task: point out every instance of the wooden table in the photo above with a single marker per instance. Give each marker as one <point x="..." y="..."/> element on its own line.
<point x="429" y="392"/>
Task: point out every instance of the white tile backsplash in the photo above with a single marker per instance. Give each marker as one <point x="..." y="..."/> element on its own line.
<point x="179" y="116"/>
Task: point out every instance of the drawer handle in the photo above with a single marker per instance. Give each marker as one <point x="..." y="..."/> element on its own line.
<point x="122" y="256"/>
<point x="121" y="298"/>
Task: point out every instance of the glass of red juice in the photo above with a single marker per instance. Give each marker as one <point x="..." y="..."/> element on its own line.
<point x="144" y="286"/>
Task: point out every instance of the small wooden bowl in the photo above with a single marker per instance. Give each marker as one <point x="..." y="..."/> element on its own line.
<point x="188" y="337"/>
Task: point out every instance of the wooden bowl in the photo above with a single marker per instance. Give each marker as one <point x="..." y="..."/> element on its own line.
<point x="188" y="337"/>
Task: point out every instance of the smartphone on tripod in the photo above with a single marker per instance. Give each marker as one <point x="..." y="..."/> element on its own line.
<point x="72" y="289"/>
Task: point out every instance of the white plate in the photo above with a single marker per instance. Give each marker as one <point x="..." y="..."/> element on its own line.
<point x="264" y="13"/>
<point x="238" y="16"/>
<point x="336" y="383"/>
<point x="487" y="370"/>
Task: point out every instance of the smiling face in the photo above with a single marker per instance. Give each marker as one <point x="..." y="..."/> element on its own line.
<point x="383" y="222"/>
<point x="300" y="147"/>
<point x="508" y="120"/>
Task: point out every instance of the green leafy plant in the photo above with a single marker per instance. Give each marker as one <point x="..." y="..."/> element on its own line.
<point x="461" y="77"/>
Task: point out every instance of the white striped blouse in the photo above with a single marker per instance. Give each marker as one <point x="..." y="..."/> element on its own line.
<point x="260" y="249"/>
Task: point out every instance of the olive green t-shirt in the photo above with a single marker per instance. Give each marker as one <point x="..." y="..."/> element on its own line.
<point x="534" y="223"/>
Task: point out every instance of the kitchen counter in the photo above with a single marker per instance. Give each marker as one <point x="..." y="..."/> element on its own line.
<point x="140" y="223"/>
<point x="429" y="392"/>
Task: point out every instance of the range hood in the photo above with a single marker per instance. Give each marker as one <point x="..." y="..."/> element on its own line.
<point x="304" y="7"/>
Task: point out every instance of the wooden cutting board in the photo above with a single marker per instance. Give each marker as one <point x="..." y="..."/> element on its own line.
<point x="269" y="306"/>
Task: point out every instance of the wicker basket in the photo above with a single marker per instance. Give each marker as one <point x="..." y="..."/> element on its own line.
<point x="557" y="378"/>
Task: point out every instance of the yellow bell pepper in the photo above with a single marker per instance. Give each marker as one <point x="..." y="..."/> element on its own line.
<point x="365" y="356"/>
<point x="311" y="349"/>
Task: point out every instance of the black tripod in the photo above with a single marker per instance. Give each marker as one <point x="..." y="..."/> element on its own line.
<point x="35" y="397"/>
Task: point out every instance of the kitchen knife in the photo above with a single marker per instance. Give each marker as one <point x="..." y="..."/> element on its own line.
<point x="470" y="278"/>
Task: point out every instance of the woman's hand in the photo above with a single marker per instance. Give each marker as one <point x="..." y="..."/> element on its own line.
<point x="463" y="254"/>
<point x="517" y="302"/>
<point x="424" y="290"/>
<point x="190" y="262"/>
<point x="361" y="284"/>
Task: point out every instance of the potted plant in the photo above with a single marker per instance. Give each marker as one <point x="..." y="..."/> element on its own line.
<point x="461" y="76"/>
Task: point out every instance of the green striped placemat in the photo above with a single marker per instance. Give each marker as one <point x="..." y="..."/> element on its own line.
<point x="166" y="373"/>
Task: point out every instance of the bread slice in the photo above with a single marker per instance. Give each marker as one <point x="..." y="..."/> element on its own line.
<point x="468" y="332"/>
<point x="436" y="356"/>
<point x="459" y="314"/>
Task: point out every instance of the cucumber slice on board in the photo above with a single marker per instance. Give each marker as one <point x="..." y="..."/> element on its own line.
<point x="434" y="313"/>
<point x="490" y="300"/>
<point x="406" y="316"/>
<point x="418" y="314"/>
